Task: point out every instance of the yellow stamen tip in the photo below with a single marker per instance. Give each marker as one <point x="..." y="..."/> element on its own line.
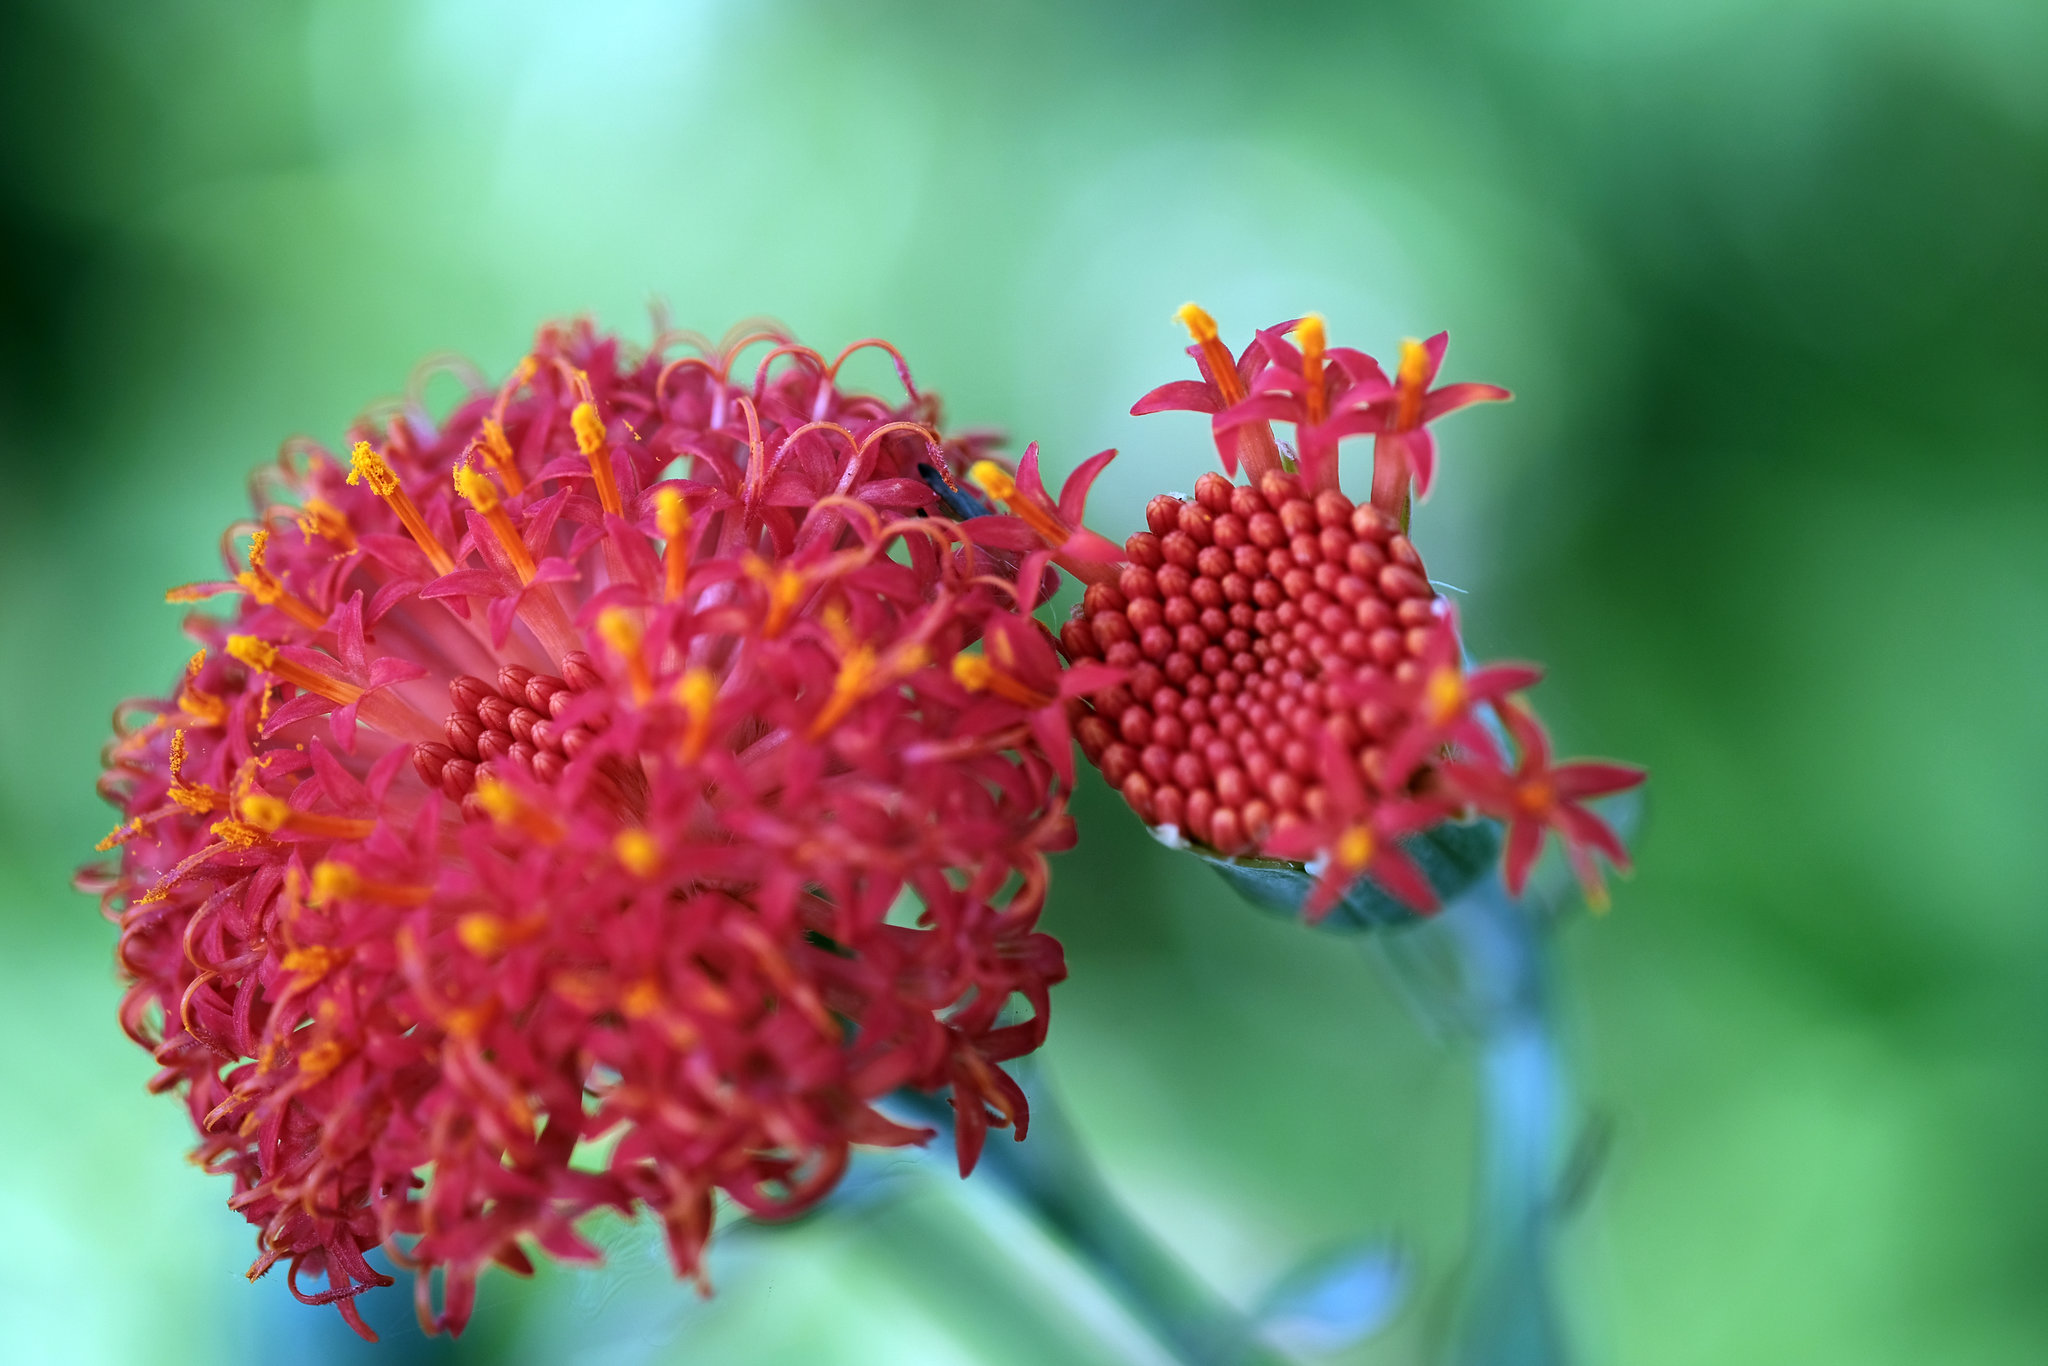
<point x="615" y="625"/>
<point x="671" y="513"/>
<point x="321" y="1059"/>
<point x="972" y="672"/>
<point x="264" y="811"/>
<point x="1354" y="848"/>
<point x="477" y="490"/>
<point x="1310" y="332"/>
<point x="482" y="933"/>
<point x="1197" y="321"/>
<point x="253" y="651"/>
<point x="332" y="881"/>
<point x="1414" y="362"/>
<point x="497" y="799"/>
<point x="993" y="480"/>
<point x="637" y="851"/>
<point x="640" y="1000"/>
<point x="697" y="690"/>
<point x="365" y="465"/>
<point x="589" y="428"/>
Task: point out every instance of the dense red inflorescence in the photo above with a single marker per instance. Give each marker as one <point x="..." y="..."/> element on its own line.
<point x="1294" y="685"/>
<point x="598" y="797"/>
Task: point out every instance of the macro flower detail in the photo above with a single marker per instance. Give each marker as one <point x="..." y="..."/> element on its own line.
<point x="1294" y="686"/>
<point x="583" y="805"/>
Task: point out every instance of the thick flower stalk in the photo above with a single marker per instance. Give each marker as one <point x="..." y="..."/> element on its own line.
<point x="1295" y="687"/>
<point x="590" y="800"/>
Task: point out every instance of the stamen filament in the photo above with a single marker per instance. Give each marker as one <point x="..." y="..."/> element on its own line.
<point x="1222" y="367"/>
<point x="589" y="429"/>
<point x="321" y="518"/>
<point x="266" y="588"/>
<point x="672" y="520"/>
<point x="997" y="483"/>
<point x="1310" y="333"/>
<point x="482" y="495"/>
<point x="269" y="813"/>
<point x="1411" y="380"/>
<point x="976" y="674"/>
<point x="697" y="693"/>
<point x="622" y="634"/>
<point x="333" y="881"/>
<point x="261" y="654"/>
<point x="498" y="450"/>
<point x="383" y="480"/>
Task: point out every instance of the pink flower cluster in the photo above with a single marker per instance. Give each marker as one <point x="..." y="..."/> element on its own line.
<point x="599" y="797"/>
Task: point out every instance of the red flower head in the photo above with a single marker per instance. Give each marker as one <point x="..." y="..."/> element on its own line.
<point x="598" y="766"/>
<point x="1295" y="687"/>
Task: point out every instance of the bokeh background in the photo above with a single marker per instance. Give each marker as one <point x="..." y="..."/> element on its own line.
<point x="1770" y="280"/>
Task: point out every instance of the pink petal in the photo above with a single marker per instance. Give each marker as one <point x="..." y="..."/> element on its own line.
<point x="1181" y="395"/>
<point x="1591" y="778"/>
<point x="1028" y="480"/>
<point x="1074" y="493"/>
<point x="1434" y="348"/>
<point x="1452" y="397"/>
<point x="1422" y="459"/>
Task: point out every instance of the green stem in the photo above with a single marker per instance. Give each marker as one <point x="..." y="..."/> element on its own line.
<point x="1051" y="1176"/>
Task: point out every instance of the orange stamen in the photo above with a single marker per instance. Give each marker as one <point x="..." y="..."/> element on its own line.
<point x="266" y="588"/>
<point x="590" y="439"/>
<point x="498" y="450"/>
<point x="505" y="806"/>
<point x="621" y="633"/>
<point x="1411" y="380"/>
<point x="785" y="590"/>
<point x="367" y="465"/>
<point x="697" y="692"/>
<point x="998" y="484"/>
<point x="334" y="881"/>
<point x="976" y="674"/>
<point x="637" y="852"/>
<point x="672" y="520"/>
<point x="1354" y="849"/>
<point x="262" y="655"/>
<point x="321" y="518"/>
<point x="1222" y="367"/>
<point x="203" y="707"/>
<point x="1310" y="332"/>
<point x="482" y="495"/>
<point x="268" y="813"/>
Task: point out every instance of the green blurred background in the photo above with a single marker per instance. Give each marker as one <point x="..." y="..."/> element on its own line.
<point x="1771" y="283"/>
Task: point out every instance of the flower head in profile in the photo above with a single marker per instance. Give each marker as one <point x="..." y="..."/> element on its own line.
<point x="583" y="804"/>
<point x="1293" y="686"/>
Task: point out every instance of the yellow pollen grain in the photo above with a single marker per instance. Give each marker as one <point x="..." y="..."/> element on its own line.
<point x="589" y="428"/>
<point x="637" y="852"/>
<point x="497" y="799"/>
<point x="483" y="934"/>
<point x="1354" y="848"/>
<point x="366" y="466"/>
<point x="254" y="651"/>
<point x="476" y="489"/>
<point x="239" y="834"/>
